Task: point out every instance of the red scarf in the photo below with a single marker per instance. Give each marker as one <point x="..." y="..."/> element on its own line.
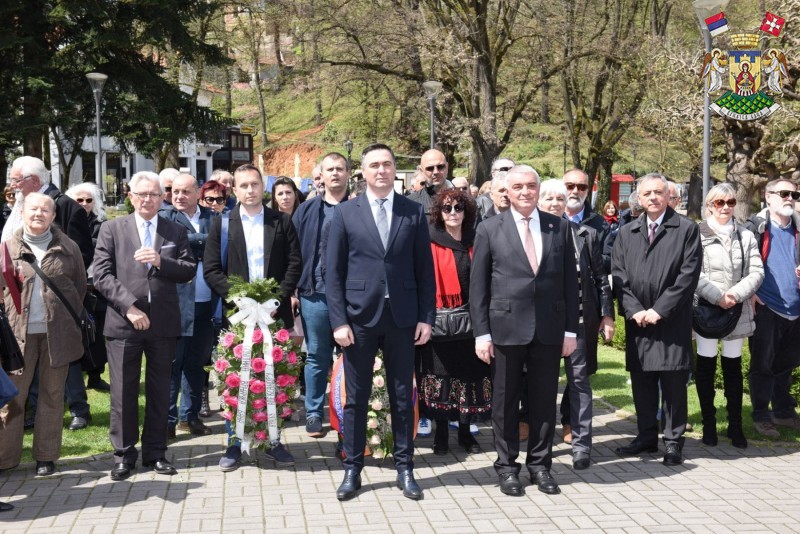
<point x="611" y="219"/>
<point x="448" y="289"/>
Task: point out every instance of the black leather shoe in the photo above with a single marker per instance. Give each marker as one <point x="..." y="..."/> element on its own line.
<point x="98" y="384"/>
<point x="406" y="482"/>
<point x="510" y="485"/>
<point x="45" y="469"/>
<point x="350" y="485"/>
<point x="121" y="471"/>
<point x="162" y="467"/>
<point x="581" y="460"/>
<point x="205" y="407"/>
<point x="79" y="423"/>
<point x="636" y="447"/>
<point x="5" y="507"/>
<point x="195" y="427"/>
<point x="673" y="455"/>
<point x="545" y="482"/>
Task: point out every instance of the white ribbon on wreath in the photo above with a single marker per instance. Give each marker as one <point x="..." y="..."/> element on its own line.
<point x="252" y="314"/>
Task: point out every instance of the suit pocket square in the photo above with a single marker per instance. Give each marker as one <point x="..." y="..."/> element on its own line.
<point x="167" y="246"/>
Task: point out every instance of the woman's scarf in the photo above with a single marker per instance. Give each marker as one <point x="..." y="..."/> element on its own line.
<point x="448" y="288"/>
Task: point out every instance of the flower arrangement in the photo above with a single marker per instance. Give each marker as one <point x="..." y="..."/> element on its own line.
<point x="285" y="356"/>
<point x="380" y="439"/>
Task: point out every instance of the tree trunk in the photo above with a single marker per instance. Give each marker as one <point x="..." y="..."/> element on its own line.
<point x="603" y="182"/>
<point x="544" y="113"/>
<point x="743" y="140"/>
<point x="483" y="153"/>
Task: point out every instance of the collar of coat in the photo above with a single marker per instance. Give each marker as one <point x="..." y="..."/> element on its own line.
<point x="671" y="219"/>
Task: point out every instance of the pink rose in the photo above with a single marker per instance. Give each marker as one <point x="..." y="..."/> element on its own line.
<point x="378" y="381"/>
<point x="226" y="392"/>
<point x="282" y="335"/>
<point x="292" y="357"/>
<point x="228" y="340"/>
<point x="238" y="350"/>
<point x="259" y="404"/>
<point x="221" y="364"/>
<point x="282" y="380"/>
<point x="277" y="354"/>
<point x="261" y="435"/>
<point x="258" y="365"/>
<point x="258" y="336"/>
<point x="227" y="415"/>
<point x="258" y="386"/>
<point x="286" y="413"/>
<point x="233" y="402"/>
<point x="281" y="398"/>
<point x="233" y="380"/>
<point x="372" y="424"/>
<point x="259" y="417"/>
<point x="291" y="379"/>
<point x="377" y="365"/>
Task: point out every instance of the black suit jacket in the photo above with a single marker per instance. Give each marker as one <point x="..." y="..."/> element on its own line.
<point x="125" y="282"/>
<point x="511" y="303"/>
<point x="283" y="260"/>
<point x="74" y="222"/>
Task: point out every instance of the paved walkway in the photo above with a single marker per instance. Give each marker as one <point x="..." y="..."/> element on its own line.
<point x="718" y="489"/>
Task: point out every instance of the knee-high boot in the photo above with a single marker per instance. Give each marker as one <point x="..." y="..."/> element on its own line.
<point x="732" y="379"/>
<point x="704" y="380"/>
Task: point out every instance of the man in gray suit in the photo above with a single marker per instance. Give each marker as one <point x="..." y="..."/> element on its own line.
<point x="138" y="261"/>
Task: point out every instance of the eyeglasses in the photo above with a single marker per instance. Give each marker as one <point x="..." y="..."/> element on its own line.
<point x="447" y="208"/>
<point x="580" y="187"/>
<point x="439" y="167"/>
<point x="786" y="194"/>
<point x="423" y="184"/>
<point x="84" y="200"/>
<point x="720" y="202"/>
<point x="146" y="196"/>
<point x="214" y="200"/>
<point x="168" y="189"/>
<point x="23" y="179"/>
<point x="502" y="169"/>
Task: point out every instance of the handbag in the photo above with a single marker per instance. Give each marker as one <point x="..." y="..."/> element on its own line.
<point x="7" y="389"/>
<point x="84" y="321"/>
<point x="712" y="321"/>
<point x="452" y="324"/>
<point x="10" y="353"/>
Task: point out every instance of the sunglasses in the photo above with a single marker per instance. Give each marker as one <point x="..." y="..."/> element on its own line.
<point x="786" y="194"/>
<point x="447" y="208"/>
<point x="168" y="189"/>
<point x="463" y="188"/>
<point x="720" y="203"/>
<point x="439" y="167"/>
<point x="502" y="169"/>
<point x="214" y="200"/>
<point x="84" y="200"/>
<point x="580" y="187"/>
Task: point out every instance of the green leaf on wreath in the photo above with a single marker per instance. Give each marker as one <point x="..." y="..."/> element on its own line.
<point x="260" y="290"/>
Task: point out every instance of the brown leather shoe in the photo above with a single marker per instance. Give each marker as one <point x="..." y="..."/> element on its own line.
<point x="524" y="429"/>
<point x="567" y="433"/>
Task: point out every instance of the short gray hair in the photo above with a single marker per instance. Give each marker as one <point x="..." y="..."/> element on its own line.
<point x="522" y="169"/>
<point x="217" y="174"/>
<point x="47" y="198"/>
<point x="553" y="186"/>
<point x="633" y="201"/>
<point x="146" y="176"/>
<point x="654" y="176"/>
<point x="167" y="174"/>
<point x="98" y="205"/>
<point x="30" y="166"/>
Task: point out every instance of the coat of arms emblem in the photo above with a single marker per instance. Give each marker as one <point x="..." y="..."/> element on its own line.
<point x="748" y="77"/>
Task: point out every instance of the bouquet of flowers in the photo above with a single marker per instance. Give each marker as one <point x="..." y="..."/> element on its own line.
<point x="284" y="354"/>
<point x="380" y="439"/>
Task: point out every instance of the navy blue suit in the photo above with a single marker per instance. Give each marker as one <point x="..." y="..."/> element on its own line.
<point x="358" y="273"/>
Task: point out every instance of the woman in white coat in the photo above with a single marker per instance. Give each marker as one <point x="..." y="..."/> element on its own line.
<point x="732" y="272"/>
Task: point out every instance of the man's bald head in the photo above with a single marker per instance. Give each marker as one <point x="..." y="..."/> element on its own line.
<point x="433" y="165"/>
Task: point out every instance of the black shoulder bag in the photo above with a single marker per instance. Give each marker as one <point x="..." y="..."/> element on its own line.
<point x="712" y="321"/>
<point x="84" y="321"/>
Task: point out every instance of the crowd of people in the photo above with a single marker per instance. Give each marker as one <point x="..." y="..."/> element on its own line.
<point x="475" y="296"/>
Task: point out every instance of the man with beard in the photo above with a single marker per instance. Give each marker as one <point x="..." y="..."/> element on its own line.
<point x="773" y="346"/>
<point x="433" y="166"/>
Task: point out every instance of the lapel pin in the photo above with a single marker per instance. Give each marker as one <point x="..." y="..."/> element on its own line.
<point x="550" y="225"/>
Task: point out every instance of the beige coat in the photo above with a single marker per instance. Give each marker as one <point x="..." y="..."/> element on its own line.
<point x="722" y="271"/>
<point x="63" y="264"/>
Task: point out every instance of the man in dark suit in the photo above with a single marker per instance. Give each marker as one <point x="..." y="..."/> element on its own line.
<point x="380" y="292"/>
<point x="138" y="261"/>
<point x="524" y="307"/>
<point x="262" y="243"/>
<point x="194" y="347"/>
<point x="655" y="266"/>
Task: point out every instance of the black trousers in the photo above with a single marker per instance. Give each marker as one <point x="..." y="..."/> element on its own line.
<point x="398" y="356"/>
<point x="543" y="363"/>
<point x="125" y="368"/>
<point x="646" y="399"/>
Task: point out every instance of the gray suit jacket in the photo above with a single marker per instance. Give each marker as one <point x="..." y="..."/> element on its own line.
<point x="125" y="282"/>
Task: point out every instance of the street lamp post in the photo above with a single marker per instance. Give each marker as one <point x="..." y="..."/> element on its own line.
<point x="705" y="9"/>
<point x="96" y="81"/>
<point x="432" y="88"/>
<point x="348" y="145"/>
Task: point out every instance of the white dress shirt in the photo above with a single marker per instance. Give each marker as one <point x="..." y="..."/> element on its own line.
<point x="253" y="228"/>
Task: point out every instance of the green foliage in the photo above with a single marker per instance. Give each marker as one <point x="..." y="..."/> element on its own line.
<point x="259" y="290"/>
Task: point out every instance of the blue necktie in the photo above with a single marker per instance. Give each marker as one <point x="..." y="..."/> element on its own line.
<point x="148" y="239"/>
<point x="382" y="222"/>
